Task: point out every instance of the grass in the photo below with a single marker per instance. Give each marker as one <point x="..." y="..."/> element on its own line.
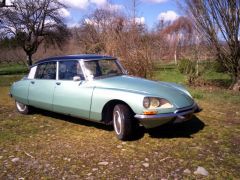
<point x="170" y="75"/>
<point x="45" y="145"/>
<point x="7" y="80"/>
<point x="6" y="69"/>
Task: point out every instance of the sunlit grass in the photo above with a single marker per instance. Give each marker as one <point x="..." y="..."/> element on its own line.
<point x="6" y="69"/>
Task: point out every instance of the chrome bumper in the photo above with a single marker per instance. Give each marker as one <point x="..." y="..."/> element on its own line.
<point x="179" y="115"/>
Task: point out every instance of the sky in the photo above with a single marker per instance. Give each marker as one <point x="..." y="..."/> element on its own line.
<point x="149" y="12"/>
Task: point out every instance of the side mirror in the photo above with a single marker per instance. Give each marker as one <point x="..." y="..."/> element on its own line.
<point x="76" y="78"/>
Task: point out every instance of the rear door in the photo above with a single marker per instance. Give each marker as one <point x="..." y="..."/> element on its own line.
<point x="41" y="88"/>
<point x="72" y="94"/>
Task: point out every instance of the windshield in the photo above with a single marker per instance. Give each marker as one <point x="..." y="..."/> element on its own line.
<point x="102" y="68"/>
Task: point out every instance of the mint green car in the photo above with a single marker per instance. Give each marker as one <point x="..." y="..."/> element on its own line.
<point x="97" y="88"/>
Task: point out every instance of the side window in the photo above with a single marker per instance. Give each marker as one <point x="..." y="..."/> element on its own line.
<point x="69" y="69"/>
<point x="46" y="71"/>
<point x="93" y="69"/>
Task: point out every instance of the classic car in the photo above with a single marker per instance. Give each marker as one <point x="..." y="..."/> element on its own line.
<point x="97" y="88"/>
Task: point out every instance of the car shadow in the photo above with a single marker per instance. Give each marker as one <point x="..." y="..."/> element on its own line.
<point x="185" y="129"/>
<point x="74" y="120"/>
<point x="180" y="130"/>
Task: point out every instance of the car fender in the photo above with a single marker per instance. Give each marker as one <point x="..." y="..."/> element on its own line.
<point x="101" y="96"/>
<point x="19" y="91"/>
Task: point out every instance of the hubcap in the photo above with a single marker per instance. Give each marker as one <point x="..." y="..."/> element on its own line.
<point x="21" y="107"/>
<point x="117" y="122"/>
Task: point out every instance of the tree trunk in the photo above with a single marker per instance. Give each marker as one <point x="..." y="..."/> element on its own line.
<point x="175" y="56"/>
<point x="236" y="84"/>
<point x="29" y="59"/>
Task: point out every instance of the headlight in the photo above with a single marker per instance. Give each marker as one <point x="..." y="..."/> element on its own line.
<point x="146" y="102"/>
<point x="153" y="102"/>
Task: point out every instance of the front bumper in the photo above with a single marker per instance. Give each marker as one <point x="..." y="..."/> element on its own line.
<point x="179" y="115"/>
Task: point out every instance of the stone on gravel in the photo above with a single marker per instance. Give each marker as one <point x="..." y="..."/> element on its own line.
<point x="145" y="165"/>
<point x="15" y="160"/>
<point x="94" y="169"/>
<point x="201" y="171"/>
<point x="104" y="163"/>
<point x="187" y="171"/>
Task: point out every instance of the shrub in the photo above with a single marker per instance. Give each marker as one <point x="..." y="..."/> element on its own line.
<point x="187" y="66"/>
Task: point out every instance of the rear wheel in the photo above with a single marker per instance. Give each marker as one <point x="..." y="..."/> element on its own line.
<point x="123" y="122"/>
<point x="22" y="108"/>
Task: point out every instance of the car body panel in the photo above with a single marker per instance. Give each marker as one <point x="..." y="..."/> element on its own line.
<point x="41" y="93"/>
<point x="179" y="115"/>
<point x="101" y="96"/>
<point x="20" y="90"/>
<point x="147" y="88"/>
<point x="73" y="98"/>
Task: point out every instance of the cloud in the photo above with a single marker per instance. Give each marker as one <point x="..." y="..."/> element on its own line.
<point x="78" y="4"/>
<point x="73" y="24"/>
<point x="155" y="1"/>
<point x="113" y="7"/>
<point x="99" y="3"/>
<point x="90" y="21"/>
<point x="84" y="4"/>
<point x="64" y="12"/>
<point x="9" y="2"/>
<point x="168" y="16"/>
<point x="140" y="20"/>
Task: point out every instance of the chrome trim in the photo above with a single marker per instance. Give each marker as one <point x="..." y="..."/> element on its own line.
<point x="188" y="110"/>
<point x="57" y="71"/>
<point x="185" y="108"/>
<point x="81" y="61"/>
<point x="124" y="71"/>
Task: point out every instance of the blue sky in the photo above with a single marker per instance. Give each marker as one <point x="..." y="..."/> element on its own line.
<point x="148" y="11"/>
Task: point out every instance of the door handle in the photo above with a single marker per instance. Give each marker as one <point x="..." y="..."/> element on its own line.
<point x="33" y="82"/>
<point x="58" y="83"/>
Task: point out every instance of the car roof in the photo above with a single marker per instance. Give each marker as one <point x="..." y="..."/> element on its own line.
<point x="76" y="57"/>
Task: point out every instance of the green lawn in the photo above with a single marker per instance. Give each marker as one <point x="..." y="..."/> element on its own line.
<point x="45" y="145"/>
<point x="6" y="69"/>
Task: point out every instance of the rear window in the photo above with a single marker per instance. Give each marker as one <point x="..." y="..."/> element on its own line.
<point x="46" y="71"/>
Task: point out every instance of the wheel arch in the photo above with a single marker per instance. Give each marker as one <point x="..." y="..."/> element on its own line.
<point x="108" y="110"/>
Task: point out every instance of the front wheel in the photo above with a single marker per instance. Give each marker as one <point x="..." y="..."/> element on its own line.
<point x="22" y="108"/>
<point x="123" y="122"/>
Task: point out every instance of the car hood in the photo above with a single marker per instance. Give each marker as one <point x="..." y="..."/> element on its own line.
<point x="174" y="93"/>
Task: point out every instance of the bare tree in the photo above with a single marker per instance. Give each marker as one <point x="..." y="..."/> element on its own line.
<point x="179" y="34"/>
<point x="113" y="33"/>
<point x="33" y="22"/>
<point x="220" y="23"/>
<point x="2" y="3"/>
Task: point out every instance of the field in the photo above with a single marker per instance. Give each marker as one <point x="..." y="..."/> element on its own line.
<point x="45" y="145"/>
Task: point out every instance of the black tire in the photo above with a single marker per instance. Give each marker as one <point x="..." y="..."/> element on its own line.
<point x="123" y="122"/>
<point x="22" y="108"/>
